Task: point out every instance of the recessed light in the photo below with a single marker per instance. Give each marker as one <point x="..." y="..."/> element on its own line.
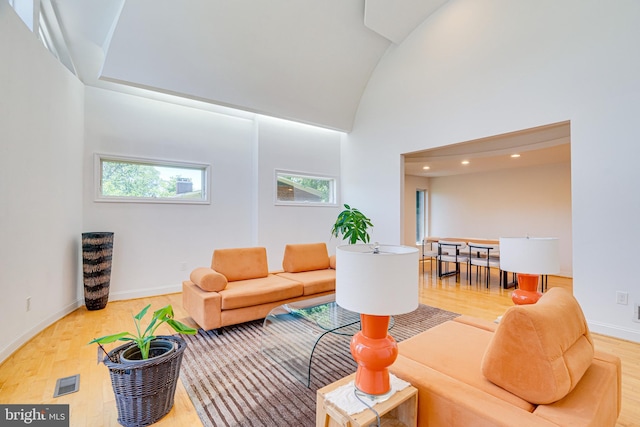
<point x="465" y="162"/>
<point x="426" y="168"/>
<point x="515" y="155"/>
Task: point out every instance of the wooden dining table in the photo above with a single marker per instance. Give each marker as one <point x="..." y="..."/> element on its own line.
<point x="505" y="283"/>
<point x="463" y="239"/>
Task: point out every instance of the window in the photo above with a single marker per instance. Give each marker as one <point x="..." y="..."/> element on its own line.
<point x="421" y="215"/>
<point x="42" y="18"/>
<point x="25" y="10"/>
<point x="127" y="179"/>
<point x="294" y="188"/>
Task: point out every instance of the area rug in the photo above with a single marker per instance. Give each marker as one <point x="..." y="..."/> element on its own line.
<point x="232" y="383"/>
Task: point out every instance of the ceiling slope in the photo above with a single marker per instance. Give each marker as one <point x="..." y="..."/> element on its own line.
<point x="303" y="60"/>
<point x="407" y="15"/>
<point x="307" y="61"/>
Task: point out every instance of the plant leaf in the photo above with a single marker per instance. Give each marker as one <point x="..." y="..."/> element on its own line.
<point x="111" y="338"/>
<point x="181" y="327"/>
<point x="165" y="312"/>
<point x="140" y="315"/>
<point x="143" y="340"/>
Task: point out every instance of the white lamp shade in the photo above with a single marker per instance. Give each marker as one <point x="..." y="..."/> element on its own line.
<point x="530" y="255"/>
<point x="384" y="283"/>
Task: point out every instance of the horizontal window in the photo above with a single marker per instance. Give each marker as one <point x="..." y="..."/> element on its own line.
<point x="127" y="179"/>
<point x="304" y="189"/>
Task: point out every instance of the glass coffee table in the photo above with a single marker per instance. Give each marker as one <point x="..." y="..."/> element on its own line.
<point x="292" y="331"/>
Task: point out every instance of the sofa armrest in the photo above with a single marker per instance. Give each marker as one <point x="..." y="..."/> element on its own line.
<point x="614" y="360"/>
<point x="594" y="402"/>
<point x="446" y="402"/>
<point x="204" y="307"/>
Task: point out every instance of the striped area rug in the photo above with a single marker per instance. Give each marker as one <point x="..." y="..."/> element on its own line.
<point x="232" y="383"/>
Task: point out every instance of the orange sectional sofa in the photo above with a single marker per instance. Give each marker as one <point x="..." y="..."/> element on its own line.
<point x="238" y="287"/>
<point x="537" y="367"/>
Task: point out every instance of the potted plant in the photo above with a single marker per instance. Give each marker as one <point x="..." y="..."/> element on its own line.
<point x="352" y="225"/>
<point x="144" y="371"/>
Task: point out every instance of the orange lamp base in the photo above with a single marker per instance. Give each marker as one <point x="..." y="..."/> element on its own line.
<point x="527" y="292"/>
<point x="374" y="350"/>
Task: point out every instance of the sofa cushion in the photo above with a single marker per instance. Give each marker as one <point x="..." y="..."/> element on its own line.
<point x="305" y="257"/>
<point x="241" y="263"/>
<point x="208" y="279"/>
<point x="314" y="282"/>
<point x="540" y="351"/>
<point x="456" y="349"/>
<point x="487" y="325"/>
<point x="246" y="293"/>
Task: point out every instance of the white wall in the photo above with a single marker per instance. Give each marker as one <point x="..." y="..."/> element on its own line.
<point x="478" y="68"/>
<point x="50" y="129"/>
<point x="153" y="241"/>
<point x="298" y="148"/>
<point x="41" y="131"/>
<point x="534" y="201"/>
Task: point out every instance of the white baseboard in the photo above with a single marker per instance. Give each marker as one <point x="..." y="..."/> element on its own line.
<point x="24" y="338"/>
<point x="141" y="293"/>
<point x="614" y="331"/>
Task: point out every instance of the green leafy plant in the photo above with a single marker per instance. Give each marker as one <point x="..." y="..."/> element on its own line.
<point x="352" y="225"/>
<point x="143" y="339"/>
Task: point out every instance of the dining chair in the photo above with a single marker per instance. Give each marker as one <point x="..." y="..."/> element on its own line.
<point x="428" y="251"/>
<point x="451" y="251"/>
<point x="484" y="257"/>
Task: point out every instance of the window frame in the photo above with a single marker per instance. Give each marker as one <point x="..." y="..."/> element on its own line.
<point x="334" y="190"/>
<point x="205" y="168"/>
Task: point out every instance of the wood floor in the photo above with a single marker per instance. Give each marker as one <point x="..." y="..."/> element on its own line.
<point x="61" y="350"/>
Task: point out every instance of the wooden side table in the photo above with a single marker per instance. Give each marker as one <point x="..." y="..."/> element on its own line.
<point x="401" y="409"/>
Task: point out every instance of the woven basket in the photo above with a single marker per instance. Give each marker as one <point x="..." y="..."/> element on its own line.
<point x="144" y="389"/>
<point x="97" y="253"/>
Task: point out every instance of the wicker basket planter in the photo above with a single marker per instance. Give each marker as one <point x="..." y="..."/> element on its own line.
<point x="144" y="389"/>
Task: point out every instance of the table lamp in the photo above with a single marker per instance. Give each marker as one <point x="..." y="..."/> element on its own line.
<point x="376" y="281"/>
<point x="529" y="257"/>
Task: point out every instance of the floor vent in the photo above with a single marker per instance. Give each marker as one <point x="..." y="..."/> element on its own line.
<point x="67" y="385"/>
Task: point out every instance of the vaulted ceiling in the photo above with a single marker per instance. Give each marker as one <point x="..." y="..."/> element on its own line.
<point x="303" y="60"/>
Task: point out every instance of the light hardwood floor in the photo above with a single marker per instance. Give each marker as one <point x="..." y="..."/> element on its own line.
<point x="30" y="374"/>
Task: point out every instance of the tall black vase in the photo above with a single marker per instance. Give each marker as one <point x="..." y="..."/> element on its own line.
<point x="97" y="250"/>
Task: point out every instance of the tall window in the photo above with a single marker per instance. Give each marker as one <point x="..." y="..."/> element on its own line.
<point x="294" y="188"/>
<point x="421" y="215"/>
<point x="127" y="179"/>
<point x="41" y="18"/>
